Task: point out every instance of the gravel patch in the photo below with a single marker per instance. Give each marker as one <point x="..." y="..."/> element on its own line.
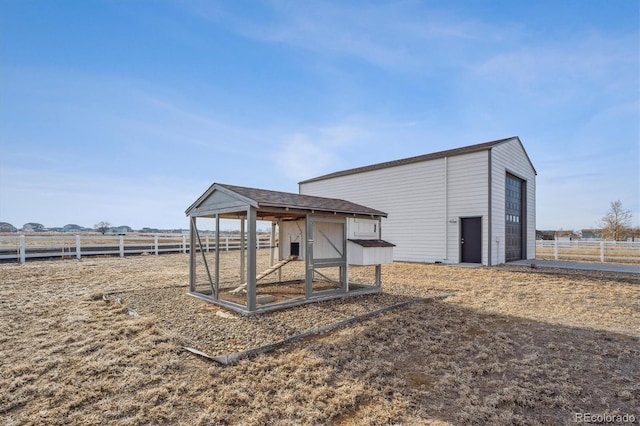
<point x="217" y="331"/>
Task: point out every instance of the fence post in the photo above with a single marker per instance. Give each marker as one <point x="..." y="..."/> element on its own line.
<point x="601" y="251"/>
<point x="555" y="249"/>
<point x="184" y="243"/>
<point x="226" y="243"/>
<point x="121" y="246"/>
<point x="207" y="240"/>
<point x="78" y="249"/>
<point x="155" y="243"/>
<point x="23" y="255"/>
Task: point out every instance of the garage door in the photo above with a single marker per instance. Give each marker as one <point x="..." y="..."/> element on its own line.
<point x="514" y="218"/>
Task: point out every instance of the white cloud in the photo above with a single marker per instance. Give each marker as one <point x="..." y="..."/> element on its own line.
<point x="401" y="36"/>
<point x="299" y="157"/>
<point x="562" y="70"/>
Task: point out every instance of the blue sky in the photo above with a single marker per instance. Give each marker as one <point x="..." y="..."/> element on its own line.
<point x="126" y="111"/>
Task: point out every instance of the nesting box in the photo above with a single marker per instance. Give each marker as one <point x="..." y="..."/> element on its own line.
<point x="370" y="252"/>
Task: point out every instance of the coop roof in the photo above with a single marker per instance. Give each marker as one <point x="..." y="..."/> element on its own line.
<point x="232" y="196"/>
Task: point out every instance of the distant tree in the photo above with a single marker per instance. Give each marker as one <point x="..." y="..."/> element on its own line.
<point x="102" y="227"/>
<point x="616" y="223"/>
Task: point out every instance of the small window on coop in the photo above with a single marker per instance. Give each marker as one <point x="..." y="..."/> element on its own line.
<point x="364" y="228"/>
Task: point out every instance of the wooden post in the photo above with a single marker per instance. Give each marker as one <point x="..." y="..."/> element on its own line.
<point x="226" y="243"/>
<point x="217" y="272"/>
<point x="155" y="243"/>
<point x="251" y="259"/>
<point x="272" y="243"/>
<point x="308" y="259"/>
<point x="184" y="243"/>
<point x="555" y="249"/>
<point x="78" y="250"/>
<point x="121" y="246"/>
<point x="207" y="242"/>
<point x="192" y="255"/>
<point x="601" y="251"/>
<point x="23" y="254"/>
<point x="242" y="240"/>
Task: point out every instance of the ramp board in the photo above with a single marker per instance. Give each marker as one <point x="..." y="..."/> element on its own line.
<point x="269" y="271"/>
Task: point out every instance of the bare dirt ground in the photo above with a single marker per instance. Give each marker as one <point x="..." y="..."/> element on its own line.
<point x="512" y="345"/>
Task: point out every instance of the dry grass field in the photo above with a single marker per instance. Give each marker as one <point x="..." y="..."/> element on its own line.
<point x="512" y="345"/>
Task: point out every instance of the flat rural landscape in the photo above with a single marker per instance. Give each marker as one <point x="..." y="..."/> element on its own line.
<point x="509" y="345"/>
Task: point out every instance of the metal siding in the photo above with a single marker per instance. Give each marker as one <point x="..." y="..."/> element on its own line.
<point x="510" y="157"/>
<point x="413" y="197"/>
<point x="468" y="183"/>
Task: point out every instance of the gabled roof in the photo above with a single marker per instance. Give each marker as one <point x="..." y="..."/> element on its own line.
<point x="261" y="198"/>
<point x="426" y="157"/>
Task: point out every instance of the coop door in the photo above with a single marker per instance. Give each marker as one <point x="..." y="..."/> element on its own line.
<point x="328" y="238"/>
<point x="326" y="257"/>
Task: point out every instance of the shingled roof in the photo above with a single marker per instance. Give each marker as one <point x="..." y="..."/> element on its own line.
<point x="433" y="156"/>
<point x="266" y="198"/>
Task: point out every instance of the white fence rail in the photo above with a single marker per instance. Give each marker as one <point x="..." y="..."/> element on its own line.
<point x="23" y="247"/>
<point x="594" y="251"/>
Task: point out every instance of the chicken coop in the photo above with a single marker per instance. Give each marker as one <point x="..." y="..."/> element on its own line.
<point x="319" y="249"/>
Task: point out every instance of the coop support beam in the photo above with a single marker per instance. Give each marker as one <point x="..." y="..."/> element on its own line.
<point x="344" y="270"/>
<point x="217" y="257"/>
<point x="279" y="248"/>
<point x="251" y="258"/>
<point x="192" y="249"/>
<point x="308" y="280"/>
<point x="272" y="243"/>
<point x="243" y="239"/>
<point x="192" y="255"/>
<point x="346" y="281"/>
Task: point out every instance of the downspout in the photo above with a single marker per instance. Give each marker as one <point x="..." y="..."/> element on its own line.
<point x="446" y="208"/>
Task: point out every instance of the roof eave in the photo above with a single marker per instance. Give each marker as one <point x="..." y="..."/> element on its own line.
<point x="324" y="209"/>
<point x="485" y="146"/>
